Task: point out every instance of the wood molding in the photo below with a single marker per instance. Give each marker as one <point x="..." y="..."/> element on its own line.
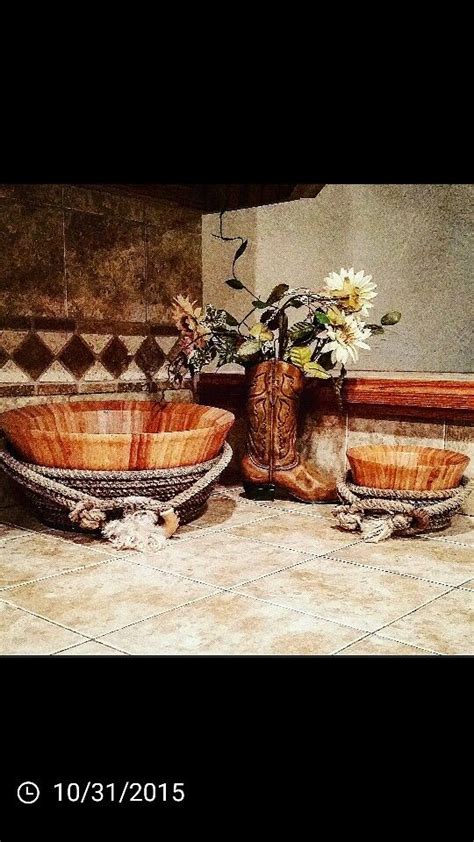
<point x="453" y="399"/>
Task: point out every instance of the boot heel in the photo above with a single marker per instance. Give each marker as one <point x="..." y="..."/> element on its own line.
<point x="255" y="491"/>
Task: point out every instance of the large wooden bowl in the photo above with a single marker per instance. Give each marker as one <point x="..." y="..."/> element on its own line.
<point x="117" y="435"/>
<point x="406" y="467"/>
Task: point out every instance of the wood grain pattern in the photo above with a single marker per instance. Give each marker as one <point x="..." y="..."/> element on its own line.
<point x="117" y="435"/>
<point x="411" y="397"/>
<point x="408" y="467"/>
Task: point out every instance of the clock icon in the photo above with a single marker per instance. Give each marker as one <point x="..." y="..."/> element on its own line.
<point x="28" y="792"/>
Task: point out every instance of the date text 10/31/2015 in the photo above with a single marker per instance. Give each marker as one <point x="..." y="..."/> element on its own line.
<point x="129" y="792"/>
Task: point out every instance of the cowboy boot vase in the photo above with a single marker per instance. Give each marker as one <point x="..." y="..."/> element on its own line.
<point x="271" y="461"/>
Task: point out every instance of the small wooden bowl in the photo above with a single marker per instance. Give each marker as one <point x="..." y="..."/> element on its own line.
<point x="406" y="467"/>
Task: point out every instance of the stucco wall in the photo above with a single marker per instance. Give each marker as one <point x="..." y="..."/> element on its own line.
<point x="415" y="240"/>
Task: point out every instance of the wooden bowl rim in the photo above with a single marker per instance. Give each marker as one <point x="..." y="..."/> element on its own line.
<point x="360" y="451"/>
<point x="225" y="418"/>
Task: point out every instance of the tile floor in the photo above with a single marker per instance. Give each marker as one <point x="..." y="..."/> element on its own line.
<point x="246" y="578"/>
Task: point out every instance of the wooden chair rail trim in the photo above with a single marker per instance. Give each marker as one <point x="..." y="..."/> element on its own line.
<point x="370" y="391"/>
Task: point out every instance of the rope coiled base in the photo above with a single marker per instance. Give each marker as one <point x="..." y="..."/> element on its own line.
<point x="133" y="509"/>
<point x="379" y="513"/>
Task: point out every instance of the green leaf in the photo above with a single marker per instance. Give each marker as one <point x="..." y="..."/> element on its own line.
<point x="234" y="283"/>
<point x="321" y="318"/>
<point x="391" y="318"/>
<point x="315" y="370"/>
<point x="260" y="305"/>
<point x="302" y="332"/>
<point x="375" y="329"/>
<point x="277" y="293"/>
<point x="299" y="356"/>
<point x="249" y="348"/>
<point x="230" y="320"/>
<point x="325" y="361"/>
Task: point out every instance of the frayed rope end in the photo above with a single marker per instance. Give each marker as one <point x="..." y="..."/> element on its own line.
<point x="141" y="530"/>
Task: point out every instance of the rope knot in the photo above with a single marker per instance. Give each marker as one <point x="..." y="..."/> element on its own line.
<point x="87" y="515"/>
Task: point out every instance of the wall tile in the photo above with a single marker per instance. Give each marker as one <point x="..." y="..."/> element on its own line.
<point x="166" y="216"/>
<point x="37" y="194"/>
<point x="56" y="373"/>
<point x="461" y="437"/>
<point x="102" y="202"/>
<point x="150" y="356"/>
<point x="115" y="357"/>
<point x="77" y="356"/>
<point x="31" y="260"/>
<point x="323" y="443"/>
<point x="33" y="356"/>
<point x="173" y="266"/>
<point x="11" y="373"/>
<point x="105" y="266"/>
<point x="383" y="431"/>
<point x="11" y="339"/>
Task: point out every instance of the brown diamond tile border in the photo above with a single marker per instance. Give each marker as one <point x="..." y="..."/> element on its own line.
<point x="3" y="357"/>
<point x="149" y="356"/>
<point x="98" y="388"/>
<point x="151" y="388"/>
<point x="33" y="356"/>
<point x="109" y="326"/>
<point x="77" y="356"/>
<point x="47" y="323"/>
<point x="164" y="330"/>
<point x="115" y="357"/>
<point x="15" y="391"/>
<point x="15" y="322"/>
<point x="56" y="389"/>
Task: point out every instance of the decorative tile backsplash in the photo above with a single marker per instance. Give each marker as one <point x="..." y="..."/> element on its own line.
<point x="83" y="357"/>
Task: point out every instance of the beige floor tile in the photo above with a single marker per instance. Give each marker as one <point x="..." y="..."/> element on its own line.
<point x="223" y="511"/>
<point x="438" y="561"/>
<point x="23" y="634"/>
<point x="90" y="648"/>
<point x="98" y="599"/>
<point x="461" y="529"/>
<point x="446" y="625"/>
<point x="227" y="624"/>
<point x="375" y="645"/>
<point x="363" y="598"/>
<point x="220" y="560"/>
<point x="313" y="535"/>
<point x="283" y="503"/>
<point x="34" y="555"/>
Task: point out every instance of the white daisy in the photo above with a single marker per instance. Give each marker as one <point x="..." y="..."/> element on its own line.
<point x="345" y="339"/>
<point x="356" y="288"/>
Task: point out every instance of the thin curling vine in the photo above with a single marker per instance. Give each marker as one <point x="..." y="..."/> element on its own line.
<point x="330" y="334"/>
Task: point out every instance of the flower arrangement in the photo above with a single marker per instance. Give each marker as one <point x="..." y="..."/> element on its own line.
<point x="330" y="333"/>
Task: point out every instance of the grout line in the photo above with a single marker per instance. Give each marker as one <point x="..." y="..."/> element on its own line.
<point x="98" y="637"/>
<point x="66" y="303"/>
<point x="382" y="637"/>
<point x="130" y="560"/>
<point x="90" y="640"/>
<point x="218" y="529"/>
<point x="68" y="570"/>
<point x="297" y="610"/>
<point x="392" y="572"/>
<point x="46" y="619"/>
<point x="449" y="541"/>
<point x="293" y="549"/>
<point x="408" y="614"/>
